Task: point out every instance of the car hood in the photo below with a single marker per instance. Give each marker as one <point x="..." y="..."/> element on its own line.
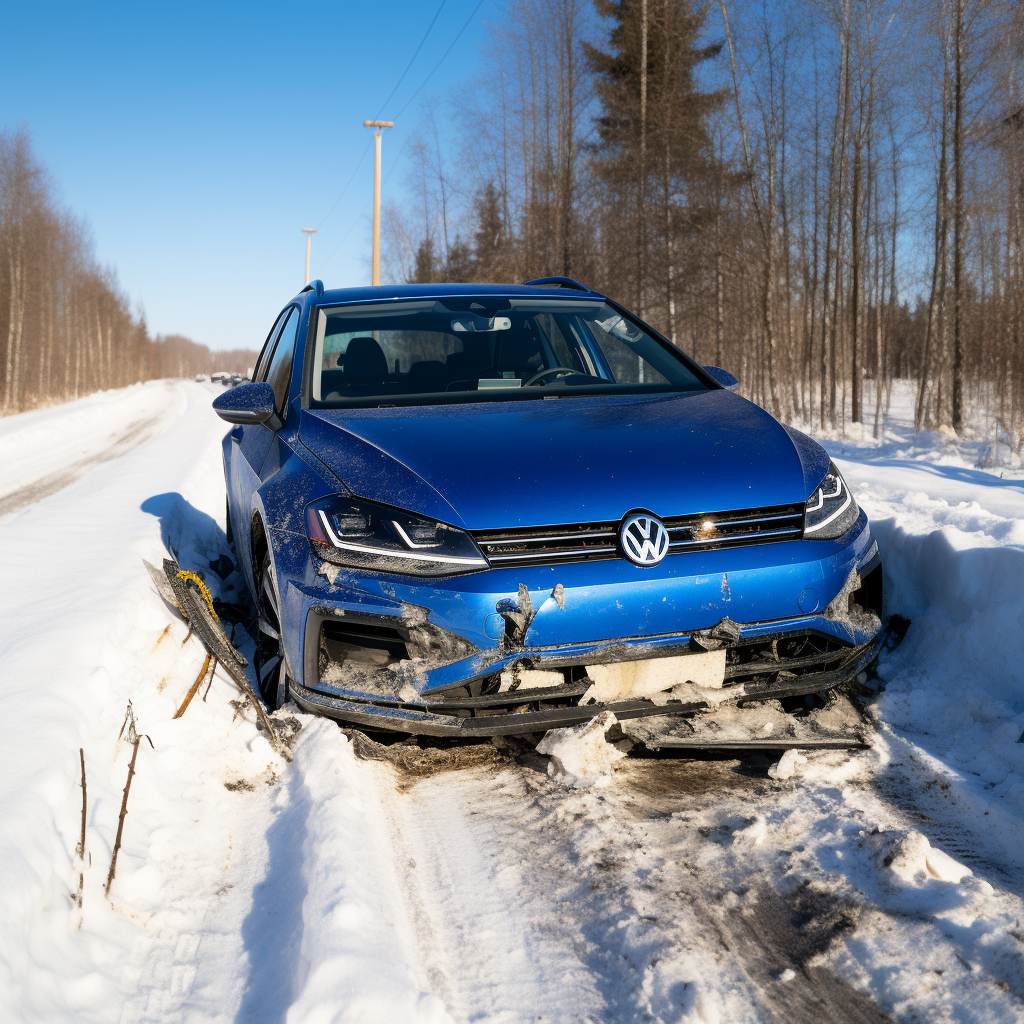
<point x="494" y="465"/>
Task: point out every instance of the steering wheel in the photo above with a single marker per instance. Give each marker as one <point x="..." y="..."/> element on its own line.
<point x="544" y="373"/>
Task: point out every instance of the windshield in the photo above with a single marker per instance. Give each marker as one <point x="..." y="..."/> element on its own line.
<point x="475" y="347"/>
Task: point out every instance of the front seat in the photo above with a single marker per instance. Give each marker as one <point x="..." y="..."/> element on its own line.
<point x="365" y="362"/>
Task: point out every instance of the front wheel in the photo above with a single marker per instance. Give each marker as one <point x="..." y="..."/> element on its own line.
<point x="271" y="675"/>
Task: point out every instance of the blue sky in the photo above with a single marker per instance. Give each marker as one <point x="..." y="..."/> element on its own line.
<point x="198" y="139"/>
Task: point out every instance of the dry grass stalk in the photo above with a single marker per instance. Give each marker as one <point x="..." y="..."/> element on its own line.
<point x="80" y="849"/>
<point x="213" y="669"/>
<point x="194" y="688"/>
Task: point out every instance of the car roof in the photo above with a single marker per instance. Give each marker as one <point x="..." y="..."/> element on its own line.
<point x="438" y="291"/>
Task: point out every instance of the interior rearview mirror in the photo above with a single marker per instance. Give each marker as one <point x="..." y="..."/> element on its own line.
<point x="247" y="403"/>
<point x="472" y="322"/>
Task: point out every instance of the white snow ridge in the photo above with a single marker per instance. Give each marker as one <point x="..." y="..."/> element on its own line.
<point x="572" y="883"/>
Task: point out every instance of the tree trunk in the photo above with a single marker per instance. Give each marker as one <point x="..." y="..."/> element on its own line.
<point x="958" y="217"/>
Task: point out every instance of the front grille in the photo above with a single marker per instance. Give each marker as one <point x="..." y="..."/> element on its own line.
<point x="732" y="529"/>
<point x="542" y="545"/>
<point x="581" y="542"/>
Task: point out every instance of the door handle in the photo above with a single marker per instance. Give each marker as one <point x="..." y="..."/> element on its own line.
<point x="236" y="433"/>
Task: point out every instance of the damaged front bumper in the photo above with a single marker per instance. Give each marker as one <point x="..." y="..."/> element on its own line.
<point x="524" y="711"/>
<point x="411" y="672"/>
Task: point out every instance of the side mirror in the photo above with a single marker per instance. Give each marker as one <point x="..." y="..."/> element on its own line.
<point x="247" y="403"/>
<point x="726" y="379"/>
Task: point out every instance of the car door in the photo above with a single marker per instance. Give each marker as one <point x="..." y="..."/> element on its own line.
<point x="251" y="441"/>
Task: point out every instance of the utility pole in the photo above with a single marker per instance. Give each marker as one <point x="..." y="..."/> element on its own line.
<point x="309" y="232"/>
<point x="376" y="194"/>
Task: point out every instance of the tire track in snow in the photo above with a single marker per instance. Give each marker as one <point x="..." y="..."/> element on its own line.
<point x="662" y="917"/>
<point x="978" y="833"/>
<point x="131" y="437"/>
<point x="473" y="903"/>
<point x="407" y="911"/>
<point x="533" y="926"/>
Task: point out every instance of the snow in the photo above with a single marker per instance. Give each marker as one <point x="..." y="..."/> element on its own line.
<point x="56" y="438"/>
<point x="910" y="857"/>
<point x="788" y="766"/>
<point x="580" y="755"/>
<point x="491" y="882"/>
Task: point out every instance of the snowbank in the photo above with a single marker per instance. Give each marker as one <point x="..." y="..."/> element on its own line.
<point x="957" y="682"/>
<point x="950" y="527"/>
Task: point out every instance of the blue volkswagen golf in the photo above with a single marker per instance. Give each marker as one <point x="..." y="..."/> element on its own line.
<point x="475" y="510"/>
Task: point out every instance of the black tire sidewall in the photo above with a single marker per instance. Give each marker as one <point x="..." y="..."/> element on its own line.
<point x="266" y="569"/>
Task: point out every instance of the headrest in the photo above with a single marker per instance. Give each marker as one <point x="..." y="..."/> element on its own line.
<point x="365" y="362"/>
<point x="518" y="349"/>
<point x="428" y="374"/>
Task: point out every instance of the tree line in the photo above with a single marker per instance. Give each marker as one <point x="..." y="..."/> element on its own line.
<point x="66" y="327"/>
<point x="819" y="195"/>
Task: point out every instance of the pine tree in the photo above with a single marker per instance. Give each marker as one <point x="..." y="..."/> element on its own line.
<point x="460" y="264"/>
<point x="489" y="244"/>
<point x="424" y="271"/>
<point x="653" y="129"/>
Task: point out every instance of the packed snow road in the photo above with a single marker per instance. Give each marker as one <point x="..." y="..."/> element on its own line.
<point x="370" y="884"/>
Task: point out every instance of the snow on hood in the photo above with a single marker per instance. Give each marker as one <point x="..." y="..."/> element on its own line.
<point x="570" y="460"/>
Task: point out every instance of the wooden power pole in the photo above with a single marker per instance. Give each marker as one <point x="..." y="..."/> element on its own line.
<point x="309" y="232"/>
<point x="376" y="194"/>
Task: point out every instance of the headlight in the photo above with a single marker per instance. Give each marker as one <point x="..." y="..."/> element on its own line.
<point x="831" y="509"/>
<point x="363" y="534"/>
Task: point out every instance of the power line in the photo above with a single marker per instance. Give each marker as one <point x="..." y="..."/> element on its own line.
<point x="394" y="163"/>
<point x="412" y="59"/>
<point x="344" y="238"/>
<point x="355" y="171"/>
<point x="362" y="213"/>
<point x="362" y="156"/>
<point x="408" y="102"/>
<point x="441" y="61"/>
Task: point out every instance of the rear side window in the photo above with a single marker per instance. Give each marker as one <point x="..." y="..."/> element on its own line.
<point x="279" y="375"/>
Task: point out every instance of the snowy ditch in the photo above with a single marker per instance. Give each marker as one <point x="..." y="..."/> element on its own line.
<point x="491" y="882"/>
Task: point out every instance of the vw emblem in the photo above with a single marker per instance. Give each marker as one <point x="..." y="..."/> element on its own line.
<point x="644" y="539"/>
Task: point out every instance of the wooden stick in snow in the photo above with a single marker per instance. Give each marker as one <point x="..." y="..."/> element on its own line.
<point x="135" y="738"/>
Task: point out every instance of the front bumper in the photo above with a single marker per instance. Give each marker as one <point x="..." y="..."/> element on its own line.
<point x="443" y="647"/>
<point x="528" y="711"/>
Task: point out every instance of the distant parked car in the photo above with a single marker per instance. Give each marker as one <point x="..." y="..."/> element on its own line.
<point x="221" y="377"/>
<point x="469" y="510"/>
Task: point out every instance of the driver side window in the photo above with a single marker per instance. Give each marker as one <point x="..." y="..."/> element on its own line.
<point x="279" y="374"/>
<point x="263" y="363"/>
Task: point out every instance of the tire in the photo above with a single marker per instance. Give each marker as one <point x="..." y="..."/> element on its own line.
<point x="271" y="676"/>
